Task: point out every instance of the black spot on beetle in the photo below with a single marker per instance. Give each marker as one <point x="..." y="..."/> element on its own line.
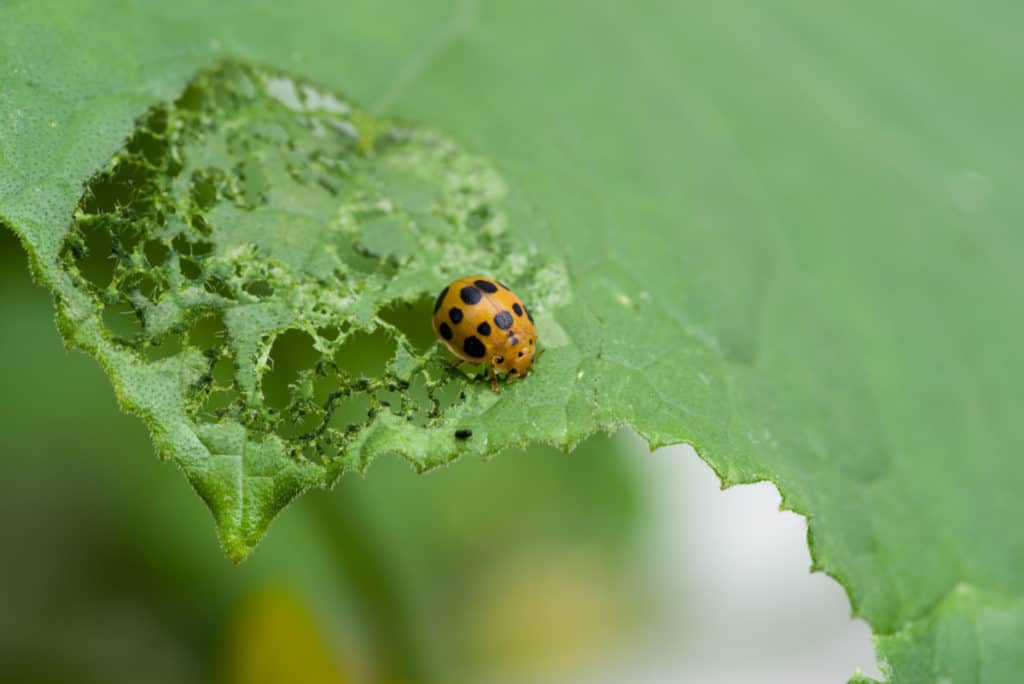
<point x="486" y="285"/>
<point x="446" y="331"/>
<point x="503" y="320"/>
<point x="513" y="340"/>
<point x="474" y="347"/>
<point x="484" y="328"/>
<point x="518" y="309"/>
<point x="456" y="315"/>
<point x="463" y="433"/>
<point x="470" y="295"/>
<point x="440" y="299"/>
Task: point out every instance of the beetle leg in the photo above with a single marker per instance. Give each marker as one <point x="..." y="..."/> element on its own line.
<point x="494" y="381"/>
<point x="456" y="363"/>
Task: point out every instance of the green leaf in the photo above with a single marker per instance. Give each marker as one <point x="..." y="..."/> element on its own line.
<point x="781" y="234"/>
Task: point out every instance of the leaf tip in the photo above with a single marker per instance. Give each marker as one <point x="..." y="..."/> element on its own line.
<point x="235" y="546"/>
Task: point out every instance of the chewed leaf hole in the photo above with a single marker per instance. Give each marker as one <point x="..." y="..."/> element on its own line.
<point x="351" y="412"/>
<point x="392" y="400"/>
<point x="223" y="372"/>
<point x="162" y="348"/>
<point x="292" y="359"/>
<point x="365" y="355"/>
<point x="329" y="332"/>
<point x="421" y="403"/>
<point x="413" y="321"/>
<point x="156" y="252"/>
<point x="218" y="403"/>
<point x="122" y="321"/>
<point x="208" y="331"/>
<point x="96" y="262"/>
<point x="326" y="384"/>
<point x="259" y="288"/>
<point x="447" y="395"/>
<point x="189" y="267"/>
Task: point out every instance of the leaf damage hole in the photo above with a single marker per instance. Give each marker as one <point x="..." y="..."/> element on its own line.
<point x="351" y="413"/>
<point x="413" y="321"/>
<point x="208" y="331"/>
<point x="95" y="255"/>
<point x="162" y="348"/>
<point x="221" y="392"/>
<point x="292" y="360"/>
<point x="122" y="322"/>
<point x="447" y="395"/>
<point x="261" y="289"/>
<point x="365" y="355"/>
<point x="391" y="400"/>
<point x="421" y="405"/>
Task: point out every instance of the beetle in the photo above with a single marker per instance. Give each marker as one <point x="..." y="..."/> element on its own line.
<point x="482" y="321"/>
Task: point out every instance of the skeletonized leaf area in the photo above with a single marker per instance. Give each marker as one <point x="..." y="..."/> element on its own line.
<point x="256" y="270"/>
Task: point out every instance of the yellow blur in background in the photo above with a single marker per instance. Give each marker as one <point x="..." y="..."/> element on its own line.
<point x="273" y="637"/>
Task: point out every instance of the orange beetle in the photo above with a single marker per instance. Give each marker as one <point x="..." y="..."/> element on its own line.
<point x="482" y="321"/>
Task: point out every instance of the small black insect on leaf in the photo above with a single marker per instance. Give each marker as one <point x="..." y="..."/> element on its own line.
<point x="463" y="433"/>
